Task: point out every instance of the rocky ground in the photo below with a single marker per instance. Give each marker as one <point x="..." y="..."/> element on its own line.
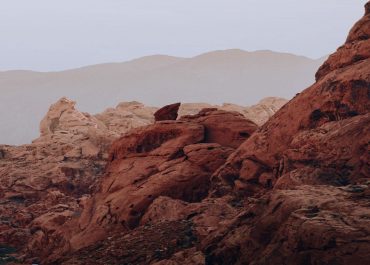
<point x="209" y="188"/>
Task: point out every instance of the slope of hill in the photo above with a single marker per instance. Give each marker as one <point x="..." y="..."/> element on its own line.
<point x="215" y="77"/>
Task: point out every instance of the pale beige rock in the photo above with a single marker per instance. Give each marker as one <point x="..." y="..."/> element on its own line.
<point x="58" y="167"/>
<point x="126" y="116"/>
<point x="259" y="113"/>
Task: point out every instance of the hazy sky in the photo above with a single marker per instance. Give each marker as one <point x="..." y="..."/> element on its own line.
<point x="60" y="34"/>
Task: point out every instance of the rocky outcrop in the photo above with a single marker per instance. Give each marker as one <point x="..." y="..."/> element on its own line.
<point x="175" y="159"/>
<point x="209" y="188"/>
<point x="295" y="192"/>
<point x="41" y="183"/>
<point x="355" y="50"/>
<point x="339" y="95"/>
<point x="306" y="174"/>
<point x="47" y="183"/>
<point x="167" y="113"/>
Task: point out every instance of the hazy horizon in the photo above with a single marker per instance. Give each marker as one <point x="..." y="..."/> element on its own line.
<point x="167" y="55"/>
<point x="230" y="76"/>
<point x="43" y="35"/>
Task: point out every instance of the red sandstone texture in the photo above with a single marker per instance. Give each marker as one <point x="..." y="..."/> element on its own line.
<point x="213" y="189"/>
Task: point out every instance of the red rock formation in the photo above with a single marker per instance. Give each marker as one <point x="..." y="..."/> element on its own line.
<point x="355" y="49"/>
<point x="45" y="184"/>
<point x="170" y="158"/>
<point x="295" y="192"/>
<point x="341" y="94"/>
<point x="306" y="173"/>
<point x="167" y="113"/>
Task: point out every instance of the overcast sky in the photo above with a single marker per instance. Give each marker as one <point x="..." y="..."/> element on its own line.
<point x="59" y="34"/>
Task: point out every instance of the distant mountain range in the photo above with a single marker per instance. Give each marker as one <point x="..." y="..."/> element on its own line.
<point x="232" y="76"/>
